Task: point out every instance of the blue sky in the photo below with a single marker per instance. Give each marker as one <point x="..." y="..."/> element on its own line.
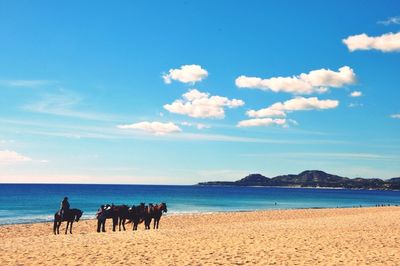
<point x="179" y="92"/>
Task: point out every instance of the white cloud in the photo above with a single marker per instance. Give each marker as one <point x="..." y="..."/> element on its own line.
<point x="261" y="122"/>
<point x="356" y="94"/>
<point x="186" y="74"/>
<point x="388" y="42"/>
<point x="389" y="21"/>
<point x="296" y="104"/>
<point x="395" y="116"/>
<point x="7" y="156"/>
<point x="201" y="105"/>
<point x="316" y="81"/>
<point x="156" y="128"/>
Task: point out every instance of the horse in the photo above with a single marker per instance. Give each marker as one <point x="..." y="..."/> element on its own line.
<point x="69" y="216"/>
<point x="136" y="215"/>
<point x="157" y="213"/>
<point x="148" y="215"/>
<point x="123" y="214"/>
<point x="108" y="212"/>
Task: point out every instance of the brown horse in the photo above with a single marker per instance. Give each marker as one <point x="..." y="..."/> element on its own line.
<point x="69" y="216"/>
<point x="157" y="213"/>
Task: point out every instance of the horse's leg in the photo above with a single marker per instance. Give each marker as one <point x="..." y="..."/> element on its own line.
<point x="58" y="227"/>
<point x="119" y="223"/>
<point x="123" y="224"/>
<point x="66" y="228"/>
<point x="98" y="225"/>
<point x="154" y="224"/>
<point x="158" y="221"/>
<point x="55" y="226"/>
<point x="103" y="229"/>
<point x="70" y="227"/>
<point x="115" y="221"/>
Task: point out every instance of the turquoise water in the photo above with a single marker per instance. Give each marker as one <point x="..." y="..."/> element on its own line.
<point x="27" y="203"/>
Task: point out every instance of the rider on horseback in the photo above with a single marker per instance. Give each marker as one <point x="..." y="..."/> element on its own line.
<point x="64" y="207"/>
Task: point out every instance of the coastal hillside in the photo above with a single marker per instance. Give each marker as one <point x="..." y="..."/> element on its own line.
<point x="310" y="178"/>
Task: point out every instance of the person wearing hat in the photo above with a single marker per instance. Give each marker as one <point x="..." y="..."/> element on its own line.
<point x="64" y="207"/>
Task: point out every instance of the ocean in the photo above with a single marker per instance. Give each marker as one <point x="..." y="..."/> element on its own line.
<point x="29" y="203"/>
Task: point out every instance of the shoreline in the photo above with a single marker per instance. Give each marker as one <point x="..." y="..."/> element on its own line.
<point x="339" y="236"/>
<point x="171" y="214"/>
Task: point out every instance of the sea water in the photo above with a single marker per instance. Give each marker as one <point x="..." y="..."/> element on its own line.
<point x="28" y="203"/>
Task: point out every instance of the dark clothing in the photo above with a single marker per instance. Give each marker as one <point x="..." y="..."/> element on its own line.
<point x="64" y="207"/>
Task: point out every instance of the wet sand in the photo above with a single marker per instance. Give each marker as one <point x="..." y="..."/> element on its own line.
<point x="355" y="236"/>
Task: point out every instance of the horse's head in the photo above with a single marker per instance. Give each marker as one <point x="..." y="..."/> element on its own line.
<point x="164" y="206"/>
<point x="78" y="215"/>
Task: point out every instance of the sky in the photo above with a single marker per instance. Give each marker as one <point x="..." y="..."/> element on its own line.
<point x="180" y="92"/>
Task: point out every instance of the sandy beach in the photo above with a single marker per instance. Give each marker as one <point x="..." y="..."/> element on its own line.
<point x="356" y="236"/>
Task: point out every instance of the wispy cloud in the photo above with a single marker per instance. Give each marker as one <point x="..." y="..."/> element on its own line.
<point x="329" y="155"/>
<point x="356" y="94"/>
<point x="112" y="132"/>
<point x="389" y="42"/>
<point x="355" y="105"/>
<point x="8" y="157"/>
<point x="196" y="125"/>
<point x="256" y="122"/>
<point x="157" y="128"/>
<point x="390" y="21"/>
<point x="65" y="103"/>
<point x="395" y="116"/>
<point x="25" y="83"/>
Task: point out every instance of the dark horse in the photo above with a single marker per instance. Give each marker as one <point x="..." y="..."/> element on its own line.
<point x="115" y="213"/>
<point x="148" y="215"/>
<point x="70" y="216"/>
<point x="136" y="215"/>
<point x="123" y="214"/>
<point x="157" y="213"/>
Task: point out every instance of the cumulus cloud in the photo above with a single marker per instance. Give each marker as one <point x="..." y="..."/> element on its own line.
<point x="157" y="128"/>
<point x="389" y="21"/>
<point x="389" y="42"/>
<point x="201" y="105"/>
<point x="186" y="74"/>
<point x="256" y="122"/>
<point x="316" y="81"/>
<point x="356" y="94"/>
<point x="297" y="104"/>
<point x="395" y="116"/>
<point x="7" y="156"/>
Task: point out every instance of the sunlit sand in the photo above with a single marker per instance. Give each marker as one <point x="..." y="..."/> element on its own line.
<point x="355" y="236"/>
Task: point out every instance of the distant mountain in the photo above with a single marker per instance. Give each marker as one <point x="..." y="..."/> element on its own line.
<point x="310" y="178"/>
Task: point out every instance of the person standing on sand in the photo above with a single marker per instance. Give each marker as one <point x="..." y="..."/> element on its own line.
<point x="64" y="207"/>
